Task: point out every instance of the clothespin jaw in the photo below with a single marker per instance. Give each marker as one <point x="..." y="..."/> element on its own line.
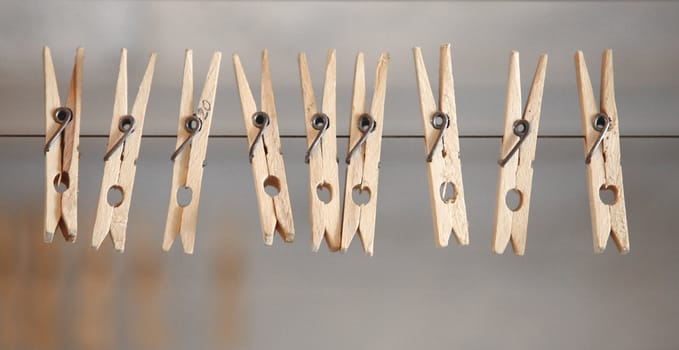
<point x="321" y="130"/>
<point x="602" y="154"/>
<point x="268" y="168"/>
<point x="120" y="160"/>
<point x="442" y="147"/>
<point x="193" y="132"/>
<point x="62" y="140"/>
<point x="517" y="153"/>
<point x="363" y="158"/>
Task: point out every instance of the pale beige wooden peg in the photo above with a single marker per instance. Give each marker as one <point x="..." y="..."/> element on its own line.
<point x="442" y="148"/>
<point x="120" y="160"/>
<point x="189" y="155"/>
<point x="62" y="138"/>
<point x="321" y="131"/>
<point x="264" y="144"/>
<point x="602" y="155"/>
<point x="517" y="153"/>
<point x="363" y="158"/>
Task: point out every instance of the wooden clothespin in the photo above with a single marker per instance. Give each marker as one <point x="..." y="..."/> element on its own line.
<point x="268" y="169"/>
<point x="442" y="147"/>
<point x="189" y="156"/>
<point x="363" y="158"/>
<point x="602" y="154"/>
<point x="120" y="160"/>
<point x="321" y="130"/>
<point x="62" y="139"/>
<point x="517" y="153"/>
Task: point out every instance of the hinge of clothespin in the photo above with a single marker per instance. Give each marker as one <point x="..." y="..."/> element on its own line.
<point x="363" y="158"/>
<point x="189" y="155"/>
<point x="602" y="154"/>
<point x="62" y="138"/>
<point x="120" y="160"/>
<point x="321" y="155"/>
<point x="268" y="168"/>
<point x="517" y="153"/>
<point x="442" y="147"/>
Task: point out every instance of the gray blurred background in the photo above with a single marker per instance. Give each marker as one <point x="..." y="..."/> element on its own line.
<point x="234" y="293"/>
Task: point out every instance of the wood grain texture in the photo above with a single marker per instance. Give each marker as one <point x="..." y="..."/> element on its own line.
<point x="448" y="216"/>
<point x="323" y="168"/>
<point x="363" y="169"/>
<point x="61" y="160"/>
<point x="267" y="164"/>
<point x="604" y="171"/>
<point x="188" y="166"/>
<point x="517" y="173"/>
<point x="120" y="169"/>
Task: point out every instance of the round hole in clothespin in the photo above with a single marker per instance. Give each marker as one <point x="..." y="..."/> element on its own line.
<point x="361" y="195"/>
<point x="324" y="192"/>
<point x="61" y="182"/>
<point x="115" y="196"/>
<point x="608" y="194"/>
<point x="272" y="186"/>
<point x="184" y="196"/>
<point x="514" y="199"/>
<point x="448" y="192"/>
<point x="62" y="114"/>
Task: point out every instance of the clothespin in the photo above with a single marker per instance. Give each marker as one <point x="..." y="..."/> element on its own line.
<point x="602" y="154"/>
<point x="268" y="169"/>
<point x="517" y="153"/>
<point x="189" y="156"/>
<point x="120" y="160"/>
<point x="62" y="139"/>
<point x="363" y="158"/>
<point x="442" y="147"/>
<point x="321" y="155"/>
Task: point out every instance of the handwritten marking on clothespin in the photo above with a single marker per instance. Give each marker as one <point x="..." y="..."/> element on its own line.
<point x="268" y="168"/>
<point x="442" y="147"/>
<point x="321" y="131"/>
<point x="363" y="158"/>
<point x="602" y="154"/>
<point x="517" y="153"/>
<point x="120" y="160"/>
<point x="189" y="155"/>
<point x="62" y="139"/>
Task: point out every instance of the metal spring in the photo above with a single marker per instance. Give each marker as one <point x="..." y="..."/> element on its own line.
<point x="440" y="121"/>
<point x="63" y="116"/>
<point x="261" y="121"/>
<point x="366" y="124"/>
<point x="192" y="125"/>
<point x="126" y="125"/>
<point x="320" y="122"/>
<point x="600" y="123"/>
<point x="521" y="129"/>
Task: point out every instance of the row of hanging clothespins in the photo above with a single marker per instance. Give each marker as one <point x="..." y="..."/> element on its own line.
<point x="337" y="227"/>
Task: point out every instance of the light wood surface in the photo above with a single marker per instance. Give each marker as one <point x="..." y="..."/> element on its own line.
<point x="448" y="216"/>
<point x="323" y="168"/>
<point x="119" y="170"/>
<point x="275" y="212"/>
<point x="188" y="166"/>
<point x="363" y="168"/>
<point x="61" y="209"/>
<point x="517" y="173"/>
<point x="604" y="170"/>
